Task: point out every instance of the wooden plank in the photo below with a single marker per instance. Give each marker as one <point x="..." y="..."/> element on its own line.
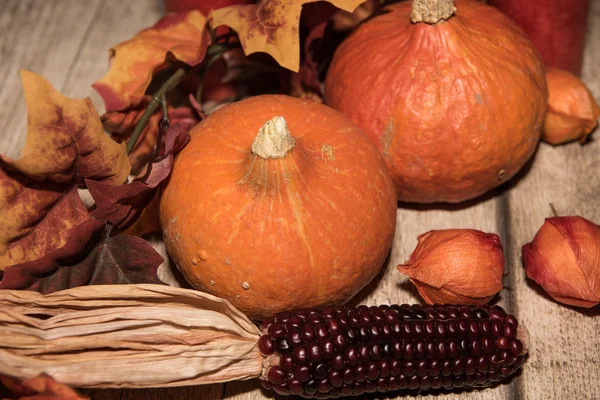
<point x="564" y="360"/>
<point x="41" y="36"/>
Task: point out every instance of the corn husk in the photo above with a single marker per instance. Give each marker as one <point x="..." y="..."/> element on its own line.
<point x="126" y="336"/>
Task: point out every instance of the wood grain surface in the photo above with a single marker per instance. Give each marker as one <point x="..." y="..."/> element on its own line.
<point x="67" y="42"/>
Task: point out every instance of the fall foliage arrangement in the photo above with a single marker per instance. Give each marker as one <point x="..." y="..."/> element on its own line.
<point x="269" y="142"/>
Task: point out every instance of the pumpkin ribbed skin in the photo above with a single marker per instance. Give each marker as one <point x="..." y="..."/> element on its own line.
<point x="456" y="107"/>
<point x="306" y="230"/>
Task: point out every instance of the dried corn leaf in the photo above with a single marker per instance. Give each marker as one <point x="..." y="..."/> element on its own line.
<point x="126" y="336"/>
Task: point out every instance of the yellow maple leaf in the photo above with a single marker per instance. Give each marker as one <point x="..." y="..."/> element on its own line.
<point x="271" y="26"/>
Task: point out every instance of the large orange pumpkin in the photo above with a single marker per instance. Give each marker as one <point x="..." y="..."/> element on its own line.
<point x="455" y="103"/>
<point x="278" y="203"/>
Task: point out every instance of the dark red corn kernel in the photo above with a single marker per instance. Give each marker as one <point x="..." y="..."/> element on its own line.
<point x="360" y="373"/>
<point x="295" y="322"/>
<point x="502" y="343"/>
<point x="276" y="330"/>
<point x="480" y="313"/>
<point x="335" y="378"/>
<point x="395" y="367"/>
<point x="328" y="312"/>
<point x="327" y="349"/>
<point x="377" y="314"/>
<point x="323" y="386"/>
<point x="462" y="326"/>
<point x="391" y="316"/>
<point x="339" y="341"/>
<point x="459" y="381"/>
<point x="281" y="389"/>
<point x="431" y="312"/>
<point x="295" y="386"/>
<point x="314" y="353"/>
<point x="511" y="320"/>
<point x="283" y="316"/>
<point x="266" y="345"/>
<point x="516" y="347"/>
<point x="436" y="382"/>
<point x="363" y="334"/>
<point x="425" y="383"/>
<point x="347" y="389"/>
<point x="414" y="382"/>
<point x="447" y="382"/>
<point x="397" y="349"/>
<point x="440" y="330"/>
<point x="519" y="362"/>
<point x="358" y="388"/>
<point x="335" y="393"/>
<point x="476" y="348"/>
<point x="495" y="376"/>
<point x="393" y="383"/>
<point x="308" y="333"/>
<point x="409" y="369"/>
<point x="447" y="366"/>
<point x="509" y="359"/>
<point x="321" y="331"/>
<point x="354" y="317"/>
<point x="311" y="386"/>
<point x="451" y="328"/>
<point x="487" y="345"/>
<point x="430" y="328"/>
<point x="408" y="352"/>
<point x="473" y="328"/>
<point x="352" y="335"/>
<point x="419" y="313"/>
<point x="348" y="375"/>
<point x="420" y="350"/>
<point x="370" y="387"/>
<point x="276" y="375"/>
<point x="364" y="317"/>
<point x="314" y="320"/>
<point x="372" y="370"/>
<point x="385" y="369"/>
<point x="434" y="367"/>
<point x="485" y="327"/>
<point x="442" y="351"/>
<point x="294" y="337"/>
<point x="458" y="368"/>
<point x="481" y="378"/>
<point x="351" y="356"/>
<point x="470" y="380"/>
<point x="302" y="355"/>
<point x="302" y="373"/>
<point x="482" y="364"/>
<point x="406" y="331"/>
<point x="418" y="329"/>
<point x="319" y="371"/>
<point x="337" y="362"/>
<point x="343" y="319"/>
<point x="386" y="332"/>
<point x="283" y="345"/>
<point x="382" y="385"/>
<point x="376" y="352"/>
<point x="496" y="314"/>
<point x="320" y="395"/>
<point x="387" y="351"/>
<point x="421" y="368"/>
<point x="452" y="312"/>
<point x="497" y="329"/>
<point x="364" y="353"/>
<point x="266" y="383"/>
<point x="464" y="347"/>
<point x="403" y="382"/>
<point x="453" y="349"/>
<point x="286" y="362"/>
<point x="466" y="312"/>
<point x="510" y="331"/>
<point x="470" y="366"/>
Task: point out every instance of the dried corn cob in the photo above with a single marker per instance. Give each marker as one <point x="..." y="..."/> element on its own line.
<point x="346" y="351"/>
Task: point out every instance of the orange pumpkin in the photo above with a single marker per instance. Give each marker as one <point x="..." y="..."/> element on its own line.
<point x="454" y="99"/>
<point x="278" y="203"/>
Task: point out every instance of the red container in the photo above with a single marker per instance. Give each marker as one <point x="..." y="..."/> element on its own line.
<point x="556" y="27"/>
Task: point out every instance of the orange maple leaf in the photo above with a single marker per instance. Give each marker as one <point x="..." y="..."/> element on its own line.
<point x="271" y="26"/>
<point x="176" y="37"/>
<point x="40" y="210"/>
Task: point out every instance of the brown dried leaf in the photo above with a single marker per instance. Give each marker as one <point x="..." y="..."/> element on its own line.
<point x="176" y="37"/>
<point x="40" y="210"/>
<point x="271" y="26"/>
<point x="167" y="336"/>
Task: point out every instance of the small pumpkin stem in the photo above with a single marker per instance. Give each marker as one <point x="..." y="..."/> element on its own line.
<point x="273" y="139"/>
<point x="431" y="11"/>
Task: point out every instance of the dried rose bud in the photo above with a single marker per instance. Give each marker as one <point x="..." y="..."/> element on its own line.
<point x="572" y="111"/>
<point x="564" y="258"/>
<point x="456" y="266"/>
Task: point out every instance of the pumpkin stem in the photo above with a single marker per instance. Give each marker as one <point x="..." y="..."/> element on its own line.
<point x="273" y="139"/>
<point x="431" y="11"/>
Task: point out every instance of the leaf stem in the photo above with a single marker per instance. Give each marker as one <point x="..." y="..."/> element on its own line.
<point x="553" y="210"/>
<point x="153" y="105"/>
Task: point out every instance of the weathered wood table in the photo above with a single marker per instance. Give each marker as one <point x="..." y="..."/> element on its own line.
<point x="66" y="41"/>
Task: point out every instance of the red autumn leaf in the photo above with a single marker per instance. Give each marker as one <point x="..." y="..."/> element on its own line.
<point x="42" y="387"/>
<point x="41" y="213"/>
<point x="122" y="123"/>
<point x="121" y="205"/>
<point x="121" y="259"/>
<point x="176" y="37"/>
<point x="271" y="26"/>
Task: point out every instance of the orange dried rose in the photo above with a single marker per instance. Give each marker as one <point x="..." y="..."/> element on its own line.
<point x="572" y="110"/>
<point x="456" y="266"/>
<point x="564" y="258"/>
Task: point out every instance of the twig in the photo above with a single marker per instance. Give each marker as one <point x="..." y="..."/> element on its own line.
<point x="553" y="210"/>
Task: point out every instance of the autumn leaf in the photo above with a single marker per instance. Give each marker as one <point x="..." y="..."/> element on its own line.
<point x="42" y="387"/>
<point x="177" y="37"/>
<point x="271" y="26"/>
<point x="121" y="259"/>
<point x="40" y="209"/>
<point x="121" y="205"/>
